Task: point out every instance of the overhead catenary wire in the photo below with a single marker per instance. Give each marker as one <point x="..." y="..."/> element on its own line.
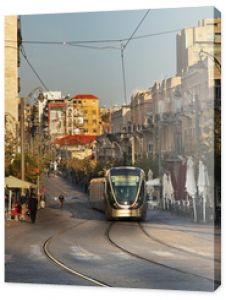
<point x="33" y="69"/>
<point x="122" y="48"/>
<point x="86" y="44"/>
<point x="138" y="26"/>
<point x="94" y="47"/>
<point x="80" y="42"/>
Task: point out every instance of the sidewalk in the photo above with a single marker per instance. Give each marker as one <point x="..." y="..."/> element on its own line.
<point x="43" y="215"/>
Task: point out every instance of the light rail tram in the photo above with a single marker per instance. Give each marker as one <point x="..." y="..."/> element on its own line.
<point x="120" y="194"/>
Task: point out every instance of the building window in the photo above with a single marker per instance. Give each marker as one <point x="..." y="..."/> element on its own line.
<point x="150" y="148"/>
<point x="217" y="37"/>
<point x="69" y="112"/>
<point x="217" y="89"/>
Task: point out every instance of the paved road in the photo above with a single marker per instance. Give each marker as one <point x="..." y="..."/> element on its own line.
<point x="165" y="252"/>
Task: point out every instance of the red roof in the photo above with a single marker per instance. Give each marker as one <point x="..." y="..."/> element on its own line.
<point x="75" y="139"/>
<point x="85" y="96"/>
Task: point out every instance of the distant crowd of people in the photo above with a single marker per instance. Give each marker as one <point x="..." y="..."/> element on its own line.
<point x="22" y="207"/>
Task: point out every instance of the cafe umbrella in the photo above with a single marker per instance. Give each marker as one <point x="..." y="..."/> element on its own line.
<point x="12" y="182"/>
<point x="203" y="186"/>
<point x="190" y="185"/>
<point x="16" y="183"/>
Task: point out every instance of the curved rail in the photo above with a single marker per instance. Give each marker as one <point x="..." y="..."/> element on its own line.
<point x="174" y="247"/>
<point x="182" y="230"/>
<point x="107" y="233"/>
<point x="62" y="265"/>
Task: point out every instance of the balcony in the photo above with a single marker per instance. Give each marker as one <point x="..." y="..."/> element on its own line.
<point x="167" y="117"/>
<point x="149" y="123"/>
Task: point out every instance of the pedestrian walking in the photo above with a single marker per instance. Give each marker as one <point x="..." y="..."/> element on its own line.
<point x="55" y="168"/>
<point x="33" y="207"/>
<point x="61" y="199"/>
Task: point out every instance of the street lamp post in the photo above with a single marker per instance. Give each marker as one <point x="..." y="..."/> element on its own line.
<point x="133" y="149"/>
<point x="123" y="47"/>
<point x="216" y="61"/>
<point x="159" y="146"/>
<point x="22" y="138"/>
<point x="22" y="102"/>
<point x="123" y="72"/>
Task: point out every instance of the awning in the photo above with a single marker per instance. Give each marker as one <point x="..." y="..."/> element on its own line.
<point x="13" y="182"/>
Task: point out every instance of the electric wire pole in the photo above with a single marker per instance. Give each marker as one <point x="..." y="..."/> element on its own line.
<point x="123" y="73"/>
<point x="123" y="47"/>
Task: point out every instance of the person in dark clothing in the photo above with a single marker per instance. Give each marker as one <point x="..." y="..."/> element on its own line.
<point x="61" y="199"/>
<point x="33" y="207"/>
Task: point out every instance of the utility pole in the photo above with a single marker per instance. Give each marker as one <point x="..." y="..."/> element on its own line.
<point x="123" y="72"/>
<point x="22" y="137"/>
<point x="123" y="47"/>
<point x="197" y="129"/>
<point x="197" y="139"/>
<point x="22" y="101"/>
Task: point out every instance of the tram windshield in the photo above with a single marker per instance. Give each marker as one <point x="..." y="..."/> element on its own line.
<point x="125" y="184"/>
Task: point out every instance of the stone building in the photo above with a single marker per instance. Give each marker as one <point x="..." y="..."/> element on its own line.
<point x="110" y="148"/>
<point x="12" y="80"/>
<point x="141" y="124"/>
<point x="201" y="85"/>
<point x="121" y="120"/>
<point x="167" y="105"/>
<point x="77" y="115"/>
<point x="192" y="41"/>
<point x="115" y="145"/>
<point x="57" y="118"/>
<point x="141" y="107"/>
<point x="131" y="137"/>
<point x="183" y="105"/>
<point x="105" y="120"/>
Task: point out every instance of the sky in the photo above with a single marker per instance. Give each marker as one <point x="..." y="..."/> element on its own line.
<point x="75" y="70"/>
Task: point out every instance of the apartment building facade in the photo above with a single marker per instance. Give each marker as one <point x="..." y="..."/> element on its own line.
<point x="191" y="43"/>
<point x="12" y="81"/>
<point x="83" y="115"/>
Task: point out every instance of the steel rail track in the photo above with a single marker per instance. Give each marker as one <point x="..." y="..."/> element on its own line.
<point x="183" y="230"/>
<point x="174" y="247"/>
<point x="107" y="233"/>
<point x="62" y="265"/>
